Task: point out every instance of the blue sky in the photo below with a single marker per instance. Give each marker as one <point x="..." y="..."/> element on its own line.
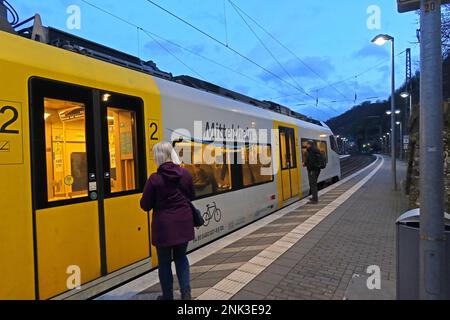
<point x="330" y="37"/>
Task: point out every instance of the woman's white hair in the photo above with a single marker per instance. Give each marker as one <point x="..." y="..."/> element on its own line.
<point x="164" y="152"/>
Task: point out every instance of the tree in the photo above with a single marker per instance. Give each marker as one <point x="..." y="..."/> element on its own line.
<point x="446" y="29"/>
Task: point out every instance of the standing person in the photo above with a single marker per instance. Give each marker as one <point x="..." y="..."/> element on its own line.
<point x="168" y="192"/>
<point x="313" y="164"/>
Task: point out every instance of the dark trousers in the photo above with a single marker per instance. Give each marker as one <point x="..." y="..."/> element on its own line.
<point x="313" y="177"/>
<point x="165" y="256"/>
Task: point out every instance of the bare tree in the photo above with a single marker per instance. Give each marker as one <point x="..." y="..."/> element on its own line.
<point x="446" y="29"/>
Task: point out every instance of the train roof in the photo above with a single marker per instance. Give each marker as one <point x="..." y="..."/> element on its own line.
<point x="94" y="50"/>
<point x="204" y="97"/>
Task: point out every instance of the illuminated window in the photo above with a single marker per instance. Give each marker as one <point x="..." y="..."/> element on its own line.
<point x="287" y="148"/>
<point x="256" y="165"/>
<point x="65" y="141"/>
<point x="209" y="165"/>
<point x="321" y="145"/>
<point x="122" y="149"/>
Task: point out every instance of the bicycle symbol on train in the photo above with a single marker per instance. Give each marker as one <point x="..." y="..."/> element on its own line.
<point x="212" y="212"/>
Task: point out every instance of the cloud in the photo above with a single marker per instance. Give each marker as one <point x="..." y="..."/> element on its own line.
<point x="197" y="48"/>
<point x="371" y="51"/>
<point x="156" y="48"/>
<point x="299" y="70"/>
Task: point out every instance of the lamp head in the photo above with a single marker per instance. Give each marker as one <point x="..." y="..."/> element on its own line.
<point x="404" y="95"/>
<point x="381" y="39"/>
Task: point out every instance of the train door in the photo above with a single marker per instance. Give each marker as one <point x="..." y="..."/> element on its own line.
<point x="288" y="163"/>
<point x="123" y="149"/>
<point x="79" y="230"/>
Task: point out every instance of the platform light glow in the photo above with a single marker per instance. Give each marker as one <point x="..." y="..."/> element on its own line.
<point x="404" y="95"/>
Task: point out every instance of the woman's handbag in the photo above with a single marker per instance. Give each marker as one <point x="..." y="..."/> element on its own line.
<point x="196" y="214"/>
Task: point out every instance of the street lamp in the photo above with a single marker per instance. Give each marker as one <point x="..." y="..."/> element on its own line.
<point x="406" y="95"/>
<point x="381" y="40"/>
<point x="399" y="123"/>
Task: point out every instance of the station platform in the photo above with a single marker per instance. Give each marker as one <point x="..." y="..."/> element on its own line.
<point x="301" y="252"/>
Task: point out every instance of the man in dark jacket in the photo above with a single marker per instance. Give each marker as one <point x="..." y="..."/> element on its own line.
<point x="312" y="163"/>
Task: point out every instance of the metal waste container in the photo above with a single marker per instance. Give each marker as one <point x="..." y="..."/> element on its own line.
<point x="408" y="240"/>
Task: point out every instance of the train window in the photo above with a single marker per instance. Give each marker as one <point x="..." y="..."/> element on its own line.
<point x="287" y="148"/>
<point x="333" y="144"/>
<point x="65" y="149"/>
<point x="209" y="165"/>
<point x="304" y="150"/>
<point x="283" y="150"/>
<point x="122" y="149"/>
<point x="256" y="165"/>
<point x="321" y="145"/>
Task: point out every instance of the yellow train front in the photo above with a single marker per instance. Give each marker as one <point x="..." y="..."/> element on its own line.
<point x="76" y="135"/>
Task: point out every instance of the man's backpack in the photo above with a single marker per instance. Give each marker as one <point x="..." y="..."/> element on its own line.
<point x="321" y="161"/>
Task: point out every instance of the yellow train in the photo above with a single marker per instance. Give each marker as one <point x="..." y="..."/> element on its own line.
<point x="76" y="135"/>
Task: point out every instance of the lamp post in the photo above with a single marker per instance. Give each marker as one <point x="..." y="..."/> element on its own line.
<point x="399" y="123"/>
<point x="381" y="40"/>
<point x="406" y="95"/>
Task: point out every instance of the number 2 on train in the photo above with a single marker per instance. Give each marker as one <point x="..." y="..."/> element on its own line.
<point x="4" y="127"/>
<point x="154" y="133"/>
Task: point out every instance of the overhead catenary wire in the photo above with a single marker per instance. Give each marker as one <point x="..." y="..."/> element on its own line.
<point x="267" y="48"/>
<point x="233" y="50"/>
<point x="180" y="46"/>
<point x="236" y="7"/>
<point x="225" y="21"/>
<point x="378" y="64"/>
<point x="171" y="53"/>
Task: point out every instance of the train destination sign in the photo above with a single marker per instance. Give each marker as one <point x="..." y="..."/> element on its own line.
<point x="411" y="5"/>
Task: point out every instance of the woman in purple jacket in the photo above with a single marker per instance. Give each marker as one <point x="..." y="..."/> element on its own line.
<point x="168" y="192"/>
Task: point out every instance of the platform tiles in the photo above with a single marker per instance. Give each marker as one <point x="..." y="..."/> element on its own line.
<point x="232" y="267"/>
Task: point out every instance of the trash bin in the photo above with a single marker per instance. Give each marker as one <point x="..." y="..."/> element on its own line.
<point x="408" y="240"/>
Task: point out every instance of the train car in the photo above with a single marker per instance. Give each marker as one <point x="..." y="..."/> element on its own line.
<point x="76" y="137"/>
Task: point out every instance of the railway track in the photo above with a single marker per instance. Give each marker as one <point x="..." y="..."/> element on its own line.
<point x="354" y="163"/>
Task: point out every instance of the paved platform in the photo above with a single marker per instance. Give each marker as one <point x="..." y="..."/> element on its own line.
<point x="303" y="251"/>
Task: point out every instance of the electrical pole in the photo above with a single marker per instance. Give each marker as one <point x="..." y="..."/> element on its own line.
<point x="393" y="135"/>
<point x="432" y="236"/>
<point x="409" y="81"/>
